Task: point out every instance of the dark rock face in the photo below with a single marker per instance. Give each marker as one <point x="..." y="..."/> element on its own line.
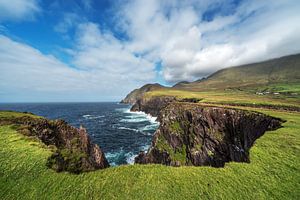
<point x="153" y="105"/>
<point x="190" y="134"/>
<point x="74" y="150"/>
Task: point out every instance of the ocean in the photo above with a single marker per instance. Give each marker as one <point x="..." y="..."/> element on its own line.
<point x="121" y="134"/>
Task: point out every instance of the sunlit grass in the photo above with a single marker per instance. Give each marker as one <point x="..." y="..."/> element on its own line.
<point x="274" y="173"/>
<point x="229" y="97"/>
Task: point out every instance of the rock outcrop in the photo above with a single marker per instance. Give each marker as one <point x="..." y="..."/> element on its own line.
<point x="152" y="105"/>
<point x="190" y="134"/>
<point x="74" y="151"/>
<point x="137" y="94"/>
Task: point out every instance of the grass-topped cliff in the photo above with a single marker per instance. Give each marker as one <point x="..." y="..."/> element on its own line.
<point x="273" y="172"/>
<point x="72" y="148"/>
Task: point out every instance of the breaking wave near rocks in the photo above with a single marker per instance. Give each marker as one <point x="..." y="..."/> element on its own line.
<point x="120" y="133"/>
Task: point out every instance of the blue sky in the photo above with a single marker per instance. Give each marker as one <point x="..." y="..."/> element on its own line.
<point x="99" y="50"/>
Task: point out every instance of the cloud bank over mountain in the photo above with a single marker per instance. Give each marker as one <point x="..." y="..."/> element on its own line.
<point x="100" y="51"/>
<point x="190" y="45"/>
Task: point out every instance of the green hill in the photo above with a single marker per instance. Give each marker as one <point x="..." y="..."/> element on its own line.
<point x="284" y="70"/>
<point x="138" y="93"/>
<point x="272" y="82"/>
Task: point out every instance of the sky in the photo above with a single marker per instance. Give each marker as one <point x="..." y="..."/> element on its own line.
<point x="100" y="50"/>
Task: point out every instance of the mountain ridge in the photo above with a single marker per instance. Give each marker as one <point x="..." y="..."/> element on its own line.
<point x="283" y="70"/>
<point x="277" y="70"/>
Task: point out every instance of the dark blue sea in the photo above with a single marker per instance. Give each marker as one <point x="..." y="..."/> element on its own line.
<point x="121" y="134"/>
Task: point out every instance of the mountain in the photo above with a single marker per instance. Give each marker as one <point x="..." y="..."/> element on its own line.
<point x="275" y="75"/>
<point x="280" y="70"/>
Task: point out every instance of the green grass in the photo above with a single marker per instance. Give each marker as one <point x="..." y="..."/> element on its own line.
<point x="11" y="114"/>
<point x="176" y="128"/>
<point x="221" y="96"/>
<point x="291" y="88"/>
<point x="274" y="173"/>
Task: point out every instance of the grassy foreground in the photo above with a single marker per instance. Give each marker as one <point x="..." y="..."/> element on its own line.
<point x="274" y="172"/>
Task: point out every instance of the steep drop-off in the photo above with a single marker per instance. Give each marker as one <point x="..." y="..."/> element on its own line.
<point x="152" y="105"/>
<point x="74" y="151"/>
<point x="136" y="94"/>
<point x="190" y="134"/>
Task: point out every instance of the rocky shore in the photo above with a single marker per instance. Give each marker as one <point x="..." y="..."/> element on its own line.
<point x="73" y="149"/>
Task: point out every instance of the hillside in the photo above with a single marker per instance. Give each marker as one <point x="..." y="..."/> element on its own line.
<point x="268" y="83"/>
<point x="281" y="70"/>
<point x="138" y="93"/>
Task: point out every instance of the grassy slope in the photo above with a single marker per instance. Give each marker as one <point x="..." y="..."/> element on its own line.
<point x="280" y="70"/>
<point x="240" y="84"/>
<point x="223" y="96"/>
<point x="274" y="172"/>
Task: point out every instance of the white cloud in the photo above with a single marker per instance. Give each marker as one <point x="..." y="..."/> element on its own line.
<point x="98" y="50"/>
<point x="189" y="48"/>
<point x="69" y="21"/>
<point x="18" y="9"/>
<point x="29" y="75"/>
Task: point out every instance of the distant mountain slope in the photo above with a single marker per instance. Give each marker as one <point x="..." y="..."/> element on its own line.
<point x="281" y="70"/>
<point x="138" y="93"/>
<point x="284" y="70"/>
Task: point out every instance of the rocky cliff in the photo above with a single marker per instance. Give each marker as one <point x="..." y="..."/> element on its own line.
<point x="190" y="134"/>
<point x="137" y="94"/>
<point x="73" y="149"/>
<point x="152" y="105"/>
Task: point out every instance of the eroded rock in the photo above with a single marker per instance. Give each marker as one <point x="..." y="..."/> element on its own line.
<point x="152" y="105"/>
<point x="74" y="151"/>
<point x="190" y="134"/>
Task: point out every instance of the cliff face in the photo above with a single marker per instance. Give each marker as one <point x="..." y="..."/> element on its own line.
<point x="153" y="105"/>
<point x="137" y="94"/>
<point x="190" y="134"/>
<point x="74" y="151"/>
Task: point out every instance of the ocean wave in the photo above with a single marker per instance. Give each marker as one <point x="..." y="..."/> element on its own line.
<point x="120" y="156"/>
<point x="115" y="158"/>
<point x="145" y="133"/>
<point x="135" y="130"/>
<point x="130" y="158"/>
<point x="145" y="148"/>
<point x="134" y="120"/>
<point x="136" y="117"/>
<point x="93" y="116"/>
<point x="126" y="128"/>
<point x="150" y="127"/>
<point x="123" y="110"/>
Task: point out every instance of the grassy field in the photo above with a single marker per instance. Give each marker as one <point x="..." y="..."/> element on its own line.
<point x="274" y="172"/>
<point x="269" y="94"/>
